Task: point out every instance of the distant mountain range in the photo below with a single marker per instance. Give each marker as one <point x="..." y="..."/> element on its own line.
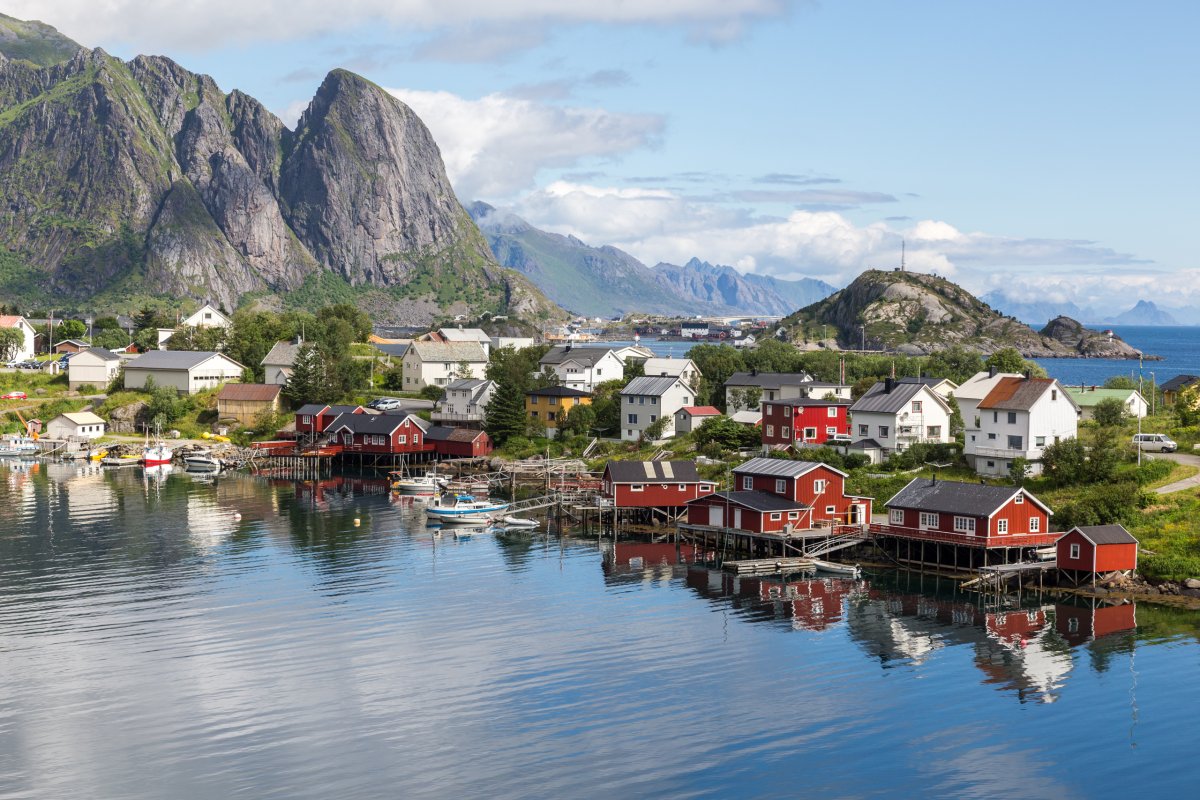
<point x="606" y="281"/>
<point x="1038" y="312"/>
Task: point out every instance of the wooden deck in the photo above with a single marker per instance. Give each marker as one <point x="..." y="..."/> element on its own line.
<point x="963" y="539"/>
<point x="758" y="566"/>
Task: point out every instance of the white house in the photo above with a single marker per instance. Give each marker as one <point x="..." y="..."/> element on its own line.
<point x="943" y="386"/>
<point x="439" y="363"/>
<point x="897" y="415"/>
<point x="1017" y="419"/>
<point x="163" y="335"/>
<point x="1088" y="397"/>
<point x="968" y="396"/>
<point x="645" y="400"/>
<point x="277" y="364"/>
<point x="92" y="367"/>
<point x="187" y="371"/>
<point x="25" y="350"/>
<point x="208" y="317"/>
<point x="82" y="424"/>
<point x="515" y="342"/>
<point x="583" y="367"/>
<point x="693" y="330"/>
<point x="673" y="368"/>
<point x="465" y="402"/>
<point x="634" y="351"/>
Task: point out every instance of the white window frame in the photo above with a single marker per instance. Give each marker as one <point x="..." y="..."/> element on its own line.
<point x="780" y="486"/>
<point x="820" y="485"/>
<point x="831" y="411"/>
<point x="683" y="487"/>
<point x="895" y="516"/>
<point x="776" y="516"/>
<point x="929" y="521"/>
<point x="1001" y="526"/>
<point x="637" y="487"/>
<point x="785" y="431"/>
<point x="830" y="430"/>
<point x="1019" y="499"/>
<point x="964" y="525"/>
<point x="402" y="439"/>
<point x="1035" y="524"/>
<point x="793" y="515"/>
<point x="770" y="430"/>
<point x="810" y="433"/>
<point x="830" y="509"/>
<point x="1076" y="551"/>
<point x="747" y="482"/>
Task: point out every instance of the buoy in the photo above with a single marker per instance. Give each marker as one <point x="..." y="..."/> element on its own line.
<point x="237" y="515"/>
<point x="357" y="522"/>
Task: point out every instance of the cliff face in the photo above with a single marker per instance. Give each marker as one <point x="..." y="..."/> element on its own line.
<point x="913" y="313"/>
<point x="146" y="178"/>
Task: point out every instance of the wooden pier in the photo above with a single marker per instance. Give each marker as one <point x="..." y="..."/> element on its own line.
<point x="758" y="566"/>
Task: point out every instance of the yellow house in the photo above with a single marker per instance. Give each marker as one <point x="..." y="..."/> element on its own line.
<point x="551" y="404"/>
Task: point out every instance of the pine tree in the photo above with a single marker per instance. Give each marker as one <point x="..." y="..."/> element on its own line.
<point x="505" y="416"/>
<point x="309" y="381"/>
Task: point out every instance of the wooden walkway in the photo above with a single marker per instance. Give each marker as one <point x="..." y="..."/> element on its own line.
<point x="758" y="566"/>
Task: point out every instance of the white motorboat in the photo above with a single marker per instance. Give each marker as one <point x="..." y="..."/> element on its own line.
<point x="849" y="570"/>
<point x="464" y="509"/>
<point x="418" y="486"/>
<point x="201" y="462"/>
<point x="518" y="522"/>
<point x="22" y="446"/>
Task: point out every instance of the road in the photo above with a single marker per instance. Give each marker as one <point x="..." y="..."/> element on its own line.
<point x="1186" y="483"/>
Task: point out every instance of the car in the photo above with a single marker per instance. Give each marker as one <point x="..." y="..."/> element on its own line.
<point x="32" y="364"/>
<point x="840" y="439"/>
<point x="1154" y="443"/>
<point x="13" y="396"/>
<point x="386" y="404"/>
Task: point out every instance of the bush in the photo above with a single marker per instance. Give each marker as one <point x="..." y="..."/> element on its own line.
<point x="1152" y="470"/>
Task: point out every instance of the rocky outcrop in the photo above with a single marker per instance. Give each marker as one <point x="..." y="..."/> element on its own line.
<point x="1088" y="343"/>
<point x="145" y="177"/>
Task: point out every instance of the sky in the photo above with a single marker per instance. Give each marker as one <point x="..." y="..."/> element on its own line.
<point x="1045" y="149"/>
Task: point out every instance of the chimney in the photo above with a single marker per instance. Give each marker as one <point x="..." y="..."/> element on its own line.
<point x="888" y="385"/>
<point x="1028" y="374"/>
<point x="991" y="372"/>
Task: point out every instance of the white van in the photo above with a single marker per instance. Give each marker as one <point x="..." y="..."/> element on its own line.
<point x="1155" y="443"/>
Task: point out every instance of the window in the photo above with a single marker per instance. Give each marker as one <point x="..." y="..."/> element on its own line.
<point x="633" y="419"/>
<point x="916" y="406"/>
<point x="1015" y="442"/>
<point x="1035" y="524"/>
<point x="995" y="416"/>
<point x="787" y="411"/>
<point x="830" y="510"/>
<point x="934" y="431"/>
<point x="780" y="486"/>
<point x="1073" y="622"/>
<point x="1039" y="441"/>
<point x="770" y="411"/>
<point x="793" y="515"/>
<point x="832" y="411"/>
<point x="991" y="464"/>
<point x="810" y="433"/>
<point x="401" y="439"/>
<point x="775" y="517"/>
<point x="1012" y="418"/>
<point x="1075" y="551"/>
<point x="830" y="431"/>
<point x="896" y="516"/>
<point x="1053" y="395"/>
<point x="683" y="487"/>
<point x="653" y="401"/>
<point x="641" y="400"/>
<point x="653" y="417"/>
<point x="964" y="525"/>
<point x="929" y="520"/>
<point x="883" y="431"/>
<point x="1001" y="526"/>
<point x="533" y="415"/>
<point x="991" y="437"/>
<point x="637" y="487"/>
<point x="785" y="431"/>
<point x="864" y="430"/>
<point x="1019" y="499"/>
<point x="306" y="419"/>
<point x="819" y="485"/>
<point x="770" y="430"/>
<point x="552" y="401"/>
<point x="533" y="400"/>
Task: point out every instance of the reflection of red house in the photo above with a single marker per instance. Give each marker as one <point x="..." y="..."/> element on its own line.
<point x="810" y="421"/>
<point x="1015" y="626"/>
<point x="653" y="484"/>
<point x="1079" y="624"/>
<point x="1097" y="549"/>
<point x="459" y="442"/>
<point x="968" y="513"/>
<point x="383" y="434"/>
<point x="814" y="605"/>
<point x="314" y="418"/>
<point x="642" y="555"/>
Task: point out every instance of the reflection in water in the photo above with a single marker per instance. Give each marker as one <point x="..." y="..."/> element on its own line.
<point x="246" y="636"/>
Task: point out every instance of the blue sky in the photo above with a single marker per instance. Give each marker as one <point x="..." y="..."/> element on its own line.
<point x="1041" y="147"/>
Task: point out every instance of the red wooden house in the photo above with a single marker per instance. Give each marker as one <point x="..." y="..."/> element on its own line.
<point x="1097" y="549"/>
<point x="314" y="418"/>
<point x="653" y="484"/>
<point x="459" y="442"/>
<point x="771" y="495"/>
<point x="379" y="434"/>
<point x="804" y="420"/>
<point x="971" y="514"/>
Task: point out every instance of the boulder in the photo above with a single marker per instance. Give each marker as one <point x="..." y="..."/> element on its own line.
<point x="1192" y="583"/>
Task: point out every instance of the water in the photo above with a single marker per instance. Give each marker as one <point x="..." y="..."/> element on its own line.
<point x="153" y="644"/>
<point x="1179" y="347"/>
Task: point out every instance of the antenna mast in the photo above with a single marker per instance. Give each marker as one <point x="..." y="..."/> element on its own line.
<point x="902" y="248"/>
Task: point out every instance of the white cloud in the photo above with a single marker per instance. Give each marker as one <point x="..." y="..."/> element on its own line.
<point x="494" y="146"/>
<point x="188" y="25"/>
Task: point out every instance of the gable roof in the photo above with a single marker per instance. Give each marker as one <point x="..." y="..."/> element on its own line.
<point x="393" y="348"/>
<point x="760" y="501"/>
<point x="650" y="386"/>
<point x="1017" y="394"/>
<point x="101" y="353"/>
<point x="175" y="359"/>
<point x="557" y="391"/>
<point x="467" y="383"/>
<point x="781" y="467"/>
<point x="878" y="400"/>
<point x="449" y="352"/>
<point x="768" y="380"/>
<point x="282" y="354"/>
<point x="1088" y="397"/>
<point x="464" y="335"/>
<point x="927" y="381"/>
<point x="663" y="367"/>
<point x="254" y="392"/>
<point x="652" y="472"/>
<point x="444" y="433"/>
<point x="978" y="385"/>
<point x="83" y="418"/>
<point x="957" y="497"/>
<point x="587" y="356"/>
<point x="11" y="321"/>
<point x="311" y="409"/>
<point x="866" y="444"/>
<point x="700" y="411"/>
<point x="77" y="342"/>
<point x="1173" y="385"/>
<point x="372" y="423"/>
<point x="1105" y="534"/>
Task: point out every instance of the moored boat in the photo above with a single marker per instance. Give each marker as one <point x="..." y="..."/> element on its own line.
<point x="418" y="486"/>
<point x="464" y="509"/>
<point x="518" y="522"/>
<point x="201" y="462"/>
<point x="22" y="446"/>
<point x="850" y="570"/>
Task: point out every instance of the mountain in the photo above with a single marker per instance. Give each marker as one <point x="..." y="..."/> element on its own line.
<point x="1035" y="312"/>
<point x="1144" y="313"/>
<point x="1087" y="343"/>
<point x="35" y="42"/>
<point x="606" y="281"/>
<point x="130" y="180"/>
<point x="913" y="313"/>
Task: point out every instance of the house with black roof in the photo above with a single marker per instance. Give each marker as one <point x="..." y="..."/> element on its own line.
<point x="1092" y="550"/>
<point x="1174" y="386"/>
<point x="899" y="414"/>
<point x="973" y="514"/>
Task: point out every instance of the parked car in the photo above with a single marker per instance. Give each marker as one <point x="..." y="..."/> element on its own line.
<point x="13" y="396"/>
<point x="1155" y="443"/>
<point x="32" y="364"/>
<point x="386" y="403"/>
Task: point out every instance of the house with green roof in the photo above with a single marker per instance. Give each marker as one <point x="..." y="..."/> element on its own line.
<point x="1088" y="396"/>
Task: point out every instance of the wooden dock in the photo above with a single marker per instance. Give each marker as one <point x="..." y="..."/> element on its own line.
<point x="758" y="566"/>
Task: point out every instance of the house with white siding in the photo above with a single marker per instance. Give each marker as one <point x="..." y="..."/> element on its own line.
<point x="897" y="415"/>
<point x="439" y="363"/>
<point x="646" y="400"/>
<point x="25" y="350"/>
<point x="968" y="396"/>
<point x="208" y="317"/>
<point x="92" y="367"/>
<point x="82" y="424"/>
<point x="1018" y="418"/>
<point x="187" y="371"/>
<point x="583" y="368"/>
<point x="672" y="368"/>
<point x="465" y="402"/>
<point x="277" y="364"/>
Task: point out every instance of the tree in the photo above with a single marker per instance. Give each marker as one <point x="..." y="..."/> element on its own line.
<point x="11" y="341"/>
<point x="462" y="370"/>
<point x="1018" y="470"/>
<point x="309" y="382"/>
<point x="748" y="397"/>
<point x="716" y="363"/>
<point x="634" y="368"/>
<point x="957" y="426"/>
<point x="955" y="363"/>
<point x="197" y="339"/>
<point x="1109" y="412"/>
<point x="1008" y="359"/>
<point x="654" y="431"/>
<point x="1120" y="382"/>
<point x="1103" y="457"/>
<point x="70" y="329"/>
<point x="1187" y="405"/>
<point x="1064" y="462"/>
<point x="726" y="434"/>
<point x="505" y="416"/>
<point x="606" y="402"/>
<point x="358" y="322"/>
<point x="772" y="355"/>
<point x="579" y="421"/>
<point x="111" y="339"/>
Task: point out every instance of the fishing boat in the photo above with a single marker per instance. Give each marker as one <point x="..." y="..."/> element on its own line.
<point x="417" y="486"/>
<point x="452" y="508"/>
<point x="157" y="453"/>
<point x="21" y="446"/>
<point x="201" y="461"/>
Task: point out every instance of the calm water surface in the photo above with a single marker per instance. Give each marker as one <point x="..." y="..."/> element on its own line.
<point x="155" y="644"/>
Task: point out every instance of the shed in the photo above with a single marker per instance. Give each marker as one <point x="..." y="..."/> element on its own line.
<point x="70" y="346"/>
<point x="1097" y="549"/>
<point x="187" y="371"/>
<point x="82" y="423"/>
<point x="689" y="418"/>
<point x="653" y="484"/>
<point x="459" y="442"/>
<point x="245" y="402"/>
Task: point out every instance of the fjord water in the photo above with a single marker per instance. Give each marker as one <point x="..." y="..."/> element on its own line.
<point x="166" y="637"/>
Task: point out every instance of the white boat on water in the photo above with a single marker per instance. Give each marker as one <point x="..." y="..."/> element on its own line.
<point x="451" y="508"/>
<point x="22" y="446"/>
<point x="418" y="486"/>
<point x="849" y="570"/>
<point x="201" y="462"/>
<point x="518" y="522"/>
<point x="157" y="454"/>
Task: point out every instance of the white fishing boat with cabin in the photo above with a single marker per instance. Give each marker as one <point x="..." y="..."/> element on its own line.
<point x="452" y="508"/>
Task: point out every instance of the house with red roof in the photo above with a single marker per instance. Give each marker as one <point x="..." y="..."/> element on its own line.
<point x="1018" y="418"/>
<point x="26" y="350"/>
<point x="688" y="418"/>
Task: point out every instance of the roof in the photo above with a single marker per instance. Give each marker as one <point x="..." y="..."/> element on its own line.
<point x="1090" y="396"/>
<point x="701" y="411"/>
<point x="464" y="335"/>
<point x="667" y="366"/>
<point x="467" y="383"/>
<point x="311" y="409"/>
<point x="879" y="401"/>
<point x="747" y="417"/>
<point x="282" y="354"/>
<point x="443" y="433"/>
<point x="1173" y="385"/>
<point x="978" y="385"/>
<point x="925" y="380"/>
<point x="392" y="348"/>
<point x="768" y="380"/>
<point x="558" y="391"/>
<point x="174" y="359"/>
<point x="583" y="355"/>
<point x="372" y="423"/>
<point x="83" y="418"/>
<point x="255" y="392"/>
<point x="343" y="409"/>
<point x="1105" y="534"/>
<point x="780" y="467"/>
<point x="1017" y="394"/>
<point x="956" y="497"/>
<point x="78" y="342"/>
<point x="760" y="501"/>
<point x="471" y="352"/>
<point x="100" y="352"/>
<point x="649" y="386"/>
<point x="866" y="444"/>
<point x="10" y="321"/>
<point x="807" y="401"/>
<point x="652" y="472"/>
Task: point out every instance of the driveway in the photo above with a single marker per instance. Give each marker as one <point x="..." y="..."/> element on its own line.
<point x="1186" y="483"/>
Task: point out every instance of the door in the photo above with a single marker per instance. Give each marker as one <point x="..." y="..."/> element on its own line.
<point x="856" y="514"/>
<point x="716" y="516"/>
<point x="737" y="518"/>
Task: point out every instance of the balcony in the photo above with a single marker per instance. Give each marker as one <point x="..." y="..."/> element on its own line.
<point x="1004" y="452"/>
<point x="965" y="539"/>
<point x="449" y="416"/>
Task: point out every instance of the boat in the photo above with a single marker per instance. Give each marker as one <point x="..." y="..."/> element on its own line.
<point x="201" y="462"/>
<point x="452" y="508"/>
<point x="418" y="486"/>
<point x="156" y="455"/>
<point x="1046" y="553"/>
<point x="121" y="461"/>
<point x="97" y="455"/>
<point x="22" y="446"/>
<point x="518" y="522"/>
<point x="849" y="570"/>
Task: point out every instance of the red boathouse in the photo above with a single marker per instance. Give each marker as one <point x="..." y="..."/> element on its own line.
<point x="653" y="484"/>
<point x="1097" y="549"/>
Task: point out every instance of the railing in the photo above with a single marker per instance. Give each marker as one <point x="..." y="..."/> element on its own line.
<point x="447" y="416"/>
<point x="996" y="540"/>
<point x="1001" y="452"/>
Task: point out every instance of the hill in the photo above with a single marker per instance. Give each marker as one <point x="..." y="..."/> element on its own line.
<point x="913" y="313"/>
<point x="606" y="281"/>
<point x="1144" y="312"/>
<point x="132" y="180"/>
